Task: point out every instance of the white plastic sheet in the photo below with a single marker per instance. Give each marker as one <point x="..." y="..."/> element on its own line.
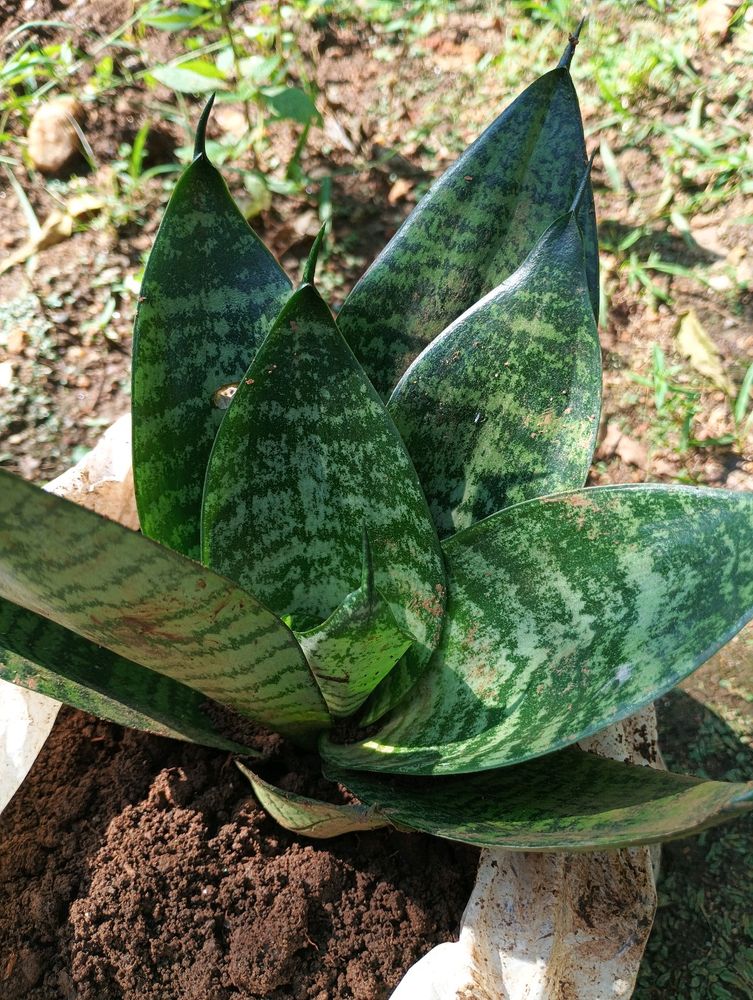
<point x="552" y="926"/>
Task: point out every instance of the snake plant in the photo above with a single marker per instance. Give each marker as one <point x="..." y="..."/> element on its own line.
<point x="370" y="532"/>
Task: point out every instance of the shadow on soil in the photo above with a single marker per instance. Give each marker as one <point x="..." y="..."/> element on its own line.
<point x="701" y="947"/>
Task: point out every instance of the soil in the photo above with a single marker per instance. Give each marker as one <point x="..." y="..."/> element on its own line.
<point x="138" y="867"/>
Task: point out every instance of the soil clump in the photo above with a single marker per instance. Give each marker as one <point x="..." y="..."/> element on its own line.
<point x="139" y="867"/>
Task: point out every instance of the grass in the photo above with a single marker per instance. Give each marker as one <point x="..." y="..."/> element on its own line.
<point x="701" y="947"/>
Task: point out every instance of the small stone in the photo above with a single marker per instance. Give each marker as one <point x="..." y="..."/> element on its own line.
<point x="231" y="121"/>
<point x="399" y="190"/>
<point x="738" y="479"/>
<point x="632" y="452"/>
<point x="715" y="19"/>
<point x="6" y="374"/>
<point x="16" y="341"/>
<point x="52" y="139"/>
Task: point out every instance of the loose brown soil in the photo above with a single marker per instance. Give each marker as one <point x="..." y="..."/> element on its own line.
<point x="138" y="868"/>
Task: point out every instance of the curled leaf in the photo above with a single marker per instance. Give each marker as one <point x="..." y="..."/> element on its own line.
<point x="311" y="817"/>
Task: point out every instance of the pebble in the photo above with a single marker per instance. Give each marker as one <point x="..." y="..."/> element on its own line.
<point x="16" y="341"/>
<point x="52" y="139"/>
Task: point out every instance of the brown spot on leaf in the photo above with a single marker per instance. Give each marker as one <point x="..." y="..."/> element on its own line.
<point x="147" y="627"/>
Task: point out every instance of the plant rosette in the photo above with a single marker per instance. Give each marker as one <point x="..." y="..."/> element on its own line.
<point x="371" y="535"/>
<point x="534" y="920"/>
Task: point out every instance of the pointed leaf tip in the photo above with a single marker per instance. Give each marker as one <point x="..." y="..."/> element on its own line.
<point x="311" y="817"/>
<point x="572" y="42"/>
<point x="309" y="271"/>
<point x="583" y="183"/>
<point x="199" y="148"/>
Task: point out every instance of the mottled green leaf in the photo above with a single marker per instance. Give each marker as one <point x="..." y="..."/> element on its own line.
<point x="38" y="654"/>
<point x="306" y="458"/>
<point x="391" y="691"/>
<point x="504" y="405"/>
<point x="311" y="817"/>
<point x="211" y="291"/>
<point x="567" y="614"/>
<point x="153" y="606"/>
<point x="473" y="229"/>
<point x="356" y="646"/>
<point x="569" y="801"/>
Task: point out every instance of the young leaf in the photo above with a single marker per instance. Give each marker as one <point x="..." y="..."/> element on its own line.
<point x="504" y="405"/>
<point x="567" y="614"/>
<point x="290" y="102"/>
<point x="211" y="291"/>
<point x="311" y="817"/>
<point x="153" y="606"/>
<point x="38" y="654"/>
<point x="356" y="646"/>
<point x="306" y="457"/>
<point x="472" y="230"/>
<point x="570" y="801"/>
<point x="198" y="76"/>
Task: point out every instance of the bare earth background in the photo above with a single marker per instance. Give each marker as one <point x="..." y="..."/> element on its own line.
<point x="400" y="89"/>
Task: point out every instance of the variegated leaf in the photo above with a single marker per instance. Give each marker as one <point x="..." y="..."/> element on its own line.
<point x="153" y="606"/>
<point x="504" y="405"/>
<point x="44" y="657"/>
<point x="210" y="293"/>
<point x="312" y="817"/>
<point x="356" y="646"/>
<point x="473" y="229"/>
<point x="566" y="614"/>
<point x="306" y="458"/>
<point x="569" y="801"/>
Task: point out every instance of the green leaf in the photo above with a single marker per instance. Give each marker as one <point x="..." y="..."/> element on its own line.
<point x="173" y="20"/>
<point x="153" y="606"/>
<point x="290" y="102"/>
<point x="306" y="458"/>
<point x="210" y="293"/>
<point x="743" y="397"/>
<point x="257" y="69"/>
<point x="504" y="405"/>
<point x="473" y="229"/>
<point x="356" y="647"/>
<point x="310" y="816"/>
<point x="38" y="654"/>
<point x="198" y="76"/>
<point x="567" y="614"/>
<point x="570" y="801"/>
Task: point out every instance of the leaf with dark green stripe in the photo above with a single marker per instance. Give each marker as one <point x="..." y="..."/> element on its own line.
<point x="306" y="458"/>
<point x="504" y="405"/>
<point x="38" y="654"/>
<point x="569" y="801"/>
<point x="153" y="606"/>
<point x="567" y="614"/>
<point x="356" y="646"/>
<point x="473" y="229"/>
<point x="311" y="817"/>
<point x="210" y="293"/>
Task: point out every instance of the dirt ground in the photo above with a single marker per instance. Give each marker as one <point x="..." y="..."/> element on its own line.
<point x="666" y="100"/>
<point x="157" y="875"/>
